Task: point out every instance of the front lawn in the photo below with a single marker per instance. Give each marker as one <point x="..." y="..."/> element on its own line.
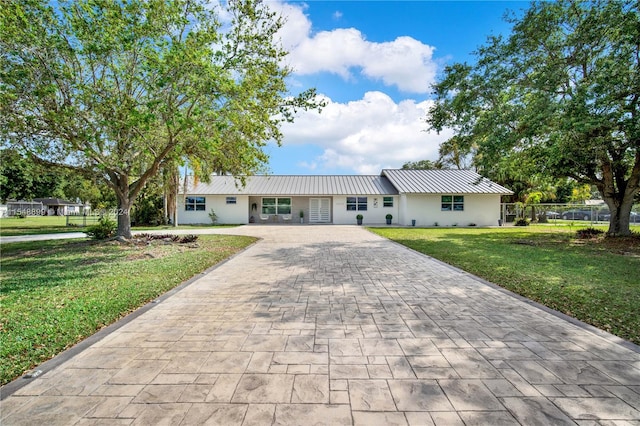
<point x="596" y="281"/>
<point x="55" y="293"/>
<point x="13" y="226"/>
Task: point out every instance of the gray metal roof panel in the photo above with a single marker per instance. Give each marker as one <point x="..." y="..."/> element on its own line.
<point x="442" y="182"/>
<point x="295" y="185"/>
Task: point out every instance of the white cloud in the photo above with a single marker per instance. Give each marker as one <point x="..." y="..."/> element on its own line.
<point x="405" y="62"/>
<point x="297" y="25"/>
<point x="307" y="165"/>
<point x="366" y="135"/>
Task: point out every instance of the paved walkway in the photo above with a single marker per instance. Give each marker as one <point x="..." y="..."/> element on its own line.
<point x="41" y="237"/>
<point x="334" y="325"/>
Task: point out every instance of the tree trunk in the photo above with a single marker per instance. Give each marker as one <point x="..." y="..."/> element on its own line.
<point x="124" y="218"/>
<point x="120" y="184"/>
<point x="620" y="211"/>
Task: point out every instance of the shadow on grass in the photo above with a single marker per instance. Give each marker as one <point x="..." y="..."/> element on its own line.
<point x="32" y="266"/>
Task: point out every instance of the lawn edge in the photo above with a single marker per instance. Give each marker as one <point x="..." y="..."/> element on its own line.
<point x="593" y="329"/>
<point x="64" y="356"/>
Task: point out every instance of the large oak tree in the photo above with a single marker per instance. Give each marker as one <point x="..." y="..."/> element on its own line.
<point x="559" y="97"/>
<point x="126" y="88"/>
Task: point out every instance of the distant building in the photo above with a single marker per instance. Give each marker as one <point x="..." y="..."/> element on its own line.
<point x="22" y="207"/>
<point x="60" y="207"/>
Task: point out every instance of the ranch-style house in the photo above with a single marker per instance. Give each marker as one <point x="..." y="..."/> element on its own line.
<point x="411" y="197"/>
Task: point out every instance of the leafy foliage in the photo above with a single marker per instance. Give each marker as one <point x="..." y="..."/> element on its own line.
<point x="148" y="208"/>
<point x="105" y="228"/>
<point x="122" y="90"/>
<point x="560" y="97"/>
<point x="422" y="165"/>
<point x="589" y="233"/>
<point x="213" y="216"/>
<point x="181" y="239"/>
<point x="24" y="178"/>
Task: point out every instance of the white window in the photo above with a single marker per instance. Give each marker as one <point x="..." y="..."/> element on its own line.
<point x="356" y="203"/>
<point x="387" y="201"/>
<point x="452" y="203"/>
<point x="231" y="200"/>
<point x="274" y="205"/>
<point x="195" y="204"/>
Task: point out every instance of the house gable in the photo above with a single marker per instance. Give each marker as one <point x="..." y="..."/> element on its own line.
<point x="442" y="182"/>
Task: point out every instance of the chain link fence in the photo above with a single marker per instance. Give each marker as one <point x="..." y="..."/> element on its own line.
<point x="82" y="221"/>
<point x="549" y="213"/>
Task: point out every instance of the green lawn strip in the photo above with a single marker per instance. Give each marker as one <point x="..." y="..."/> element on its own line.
<point x="13" y="226"/>
<point x="31" y="225"/>
<point x="53" y="294"/>
<point x="584" y="279"/>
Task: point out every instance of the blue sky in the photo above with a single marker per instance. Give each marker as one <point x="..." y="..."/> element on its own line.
<point x="373" y="63"/>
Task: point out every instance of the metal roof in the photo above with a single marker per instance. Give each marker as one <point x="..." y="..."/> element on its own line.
<point x="295" y="185"/>
<point x="442" y="182"/>
<point x="55" y="202"/>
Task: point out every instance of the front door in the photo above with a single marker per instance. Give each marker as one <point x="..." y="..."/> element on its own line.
<point x="319" y="210"/>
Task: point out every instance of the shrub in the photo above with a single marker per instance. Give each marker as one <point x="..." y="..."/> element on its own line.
<point x="169" y="237"/>
<point x="148" y="210"/>
<point x="105" y="228"/>
<point x="188" y="239"/>
<point x="359" y="217"/>
<point x="389" y="217"/>
<point x="522" y="222"/>
<point x="213" y="216"/>
<point x="588" y="233"/>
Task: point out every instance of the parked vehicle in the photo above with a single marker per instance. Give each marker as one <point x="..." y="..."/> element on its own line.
<point x="633" y="217"/>
<point x="577" y="215"/>
<point x="552" y="215"/>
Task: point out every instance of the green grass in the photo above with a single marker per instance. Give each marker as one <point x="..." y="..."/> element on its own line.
<point x="53" y="294"/>
<point x="12" y="226"/>
<point x="596" y="281"/>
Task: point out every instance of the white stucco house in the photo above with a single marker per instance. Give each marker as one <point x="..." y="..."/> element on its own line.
<point x="428" y="197"/>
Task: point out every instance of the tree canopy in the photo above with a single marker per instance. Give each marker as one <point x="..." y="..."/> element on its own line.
<point x="558" y="97"/>
<point x="422" y="165"/>
<point x="123" y="89"/>
<point x="22" y="178"/>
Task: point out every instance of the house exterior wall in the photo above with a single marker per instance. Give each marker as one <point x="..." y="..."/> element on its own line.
<point x="227" y="213"/>
<point x="375" y="213"/>
<point x="426" y="210"/>
<point x="297" y="204"/>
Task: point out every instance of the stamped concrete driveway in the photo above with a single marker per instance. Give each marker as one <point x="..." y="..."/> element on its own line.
<point x="334" y="325"/>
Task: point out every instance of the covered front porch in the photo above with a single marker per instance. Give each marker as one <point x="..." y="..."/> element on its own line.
<point x="290" y="209"/>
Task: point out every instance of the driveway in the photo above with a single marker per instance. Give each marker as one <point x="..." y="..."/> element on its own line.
<point x="334" y="325"/>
